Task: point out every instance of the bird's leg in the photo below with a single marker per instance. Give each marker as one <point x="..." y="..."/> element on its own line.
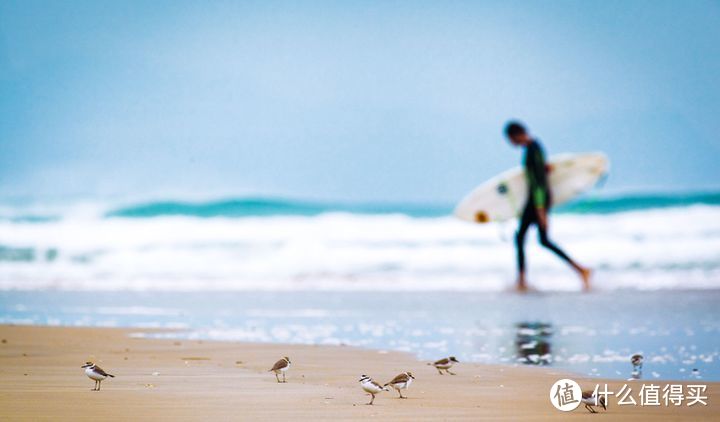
<point x="588" y="407"/>
<point x="277" y="378"/>
<point x="284" y="377"/>
<point x="99" y="385"/>
<point x="448" y="371"/>
<point x="372" y="399"/>
<point x="400" y="392"/>
<point x="439" y="371"/>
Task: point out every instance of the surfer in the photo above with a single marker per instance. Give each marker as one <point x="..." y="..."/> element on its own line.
<point x="538" y="203"/>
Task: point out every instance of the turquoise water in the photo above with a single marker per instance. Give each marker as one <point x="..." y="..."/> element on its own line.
<point x="248" y="207"/>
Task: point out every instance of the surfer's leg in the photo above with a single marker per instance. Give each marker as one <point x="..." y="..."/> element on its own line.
<point x="526" y="220"/>
<point x="546" y="242"/>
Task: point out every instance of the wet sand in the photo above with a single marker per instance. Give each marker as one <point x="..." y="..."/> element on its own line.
<point x="40" y="377"/>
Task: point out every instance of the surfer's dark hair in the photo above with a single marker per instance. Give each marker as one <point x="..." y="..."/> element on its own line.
<point x="514" y="128"/>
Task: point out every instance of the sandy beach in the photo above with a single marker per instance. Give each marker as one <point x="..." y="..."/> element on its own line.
<point x="40" y="377"/>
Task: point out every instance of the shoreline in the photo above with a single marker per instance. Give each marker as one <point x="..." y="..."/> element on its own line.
<point x="40" y="376"/>
<point x="483" y="328"/>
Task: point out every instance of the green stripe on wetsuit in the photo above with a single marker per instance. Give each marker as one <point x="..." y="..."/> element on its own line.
<point x="536" y="175"/>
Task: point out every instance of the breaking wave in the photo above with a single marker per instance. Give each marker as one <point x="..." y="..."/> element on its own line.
<point x="248" y="244"/>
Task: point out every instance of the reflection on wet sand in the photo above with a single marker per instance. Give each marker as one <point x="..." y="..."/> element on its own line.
<point x="533" y="343"/>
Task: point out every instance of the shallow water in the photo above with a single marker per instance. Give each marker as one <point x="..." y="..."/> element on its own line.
<point x="593" y="334"/>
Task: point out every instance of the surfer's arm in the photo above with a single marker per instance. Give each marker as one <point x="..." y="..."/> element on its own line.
<point x="537" y="178"/>
<point x="541" y="217"/>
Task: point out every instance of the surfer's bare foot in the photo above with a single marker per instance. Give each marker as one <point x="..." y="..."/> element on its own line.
<point x="521" y="284"/>
<point x="585" y="275"/>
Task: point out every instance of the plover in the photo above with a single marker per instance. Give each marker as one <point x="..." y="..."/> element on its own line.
<point x="637" y="363"/>
<point x="590" y="401"/>
<point x="371" y="387"/>
<point x="401" y="382"/>
<point x="445" y="364"/>
<point x="96" y="374"/>
<point x="281" y="367"/>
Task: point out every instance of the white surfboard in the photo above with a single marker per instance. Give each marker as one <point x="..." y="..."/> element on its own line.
<point x="503" y="197"/>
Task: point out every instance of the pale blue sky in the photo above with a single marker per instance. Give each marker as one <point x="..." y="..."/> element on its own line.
<point x="350" y="100"/>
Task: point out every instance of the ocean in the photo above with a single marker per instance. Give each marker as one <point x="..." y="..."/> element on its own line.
<point x="634" y="242"/>
<point x="388" y="276"/>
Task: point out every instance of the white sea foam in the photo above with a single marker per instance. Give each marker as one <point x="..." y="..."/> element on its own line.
<point x="676" y="248"/>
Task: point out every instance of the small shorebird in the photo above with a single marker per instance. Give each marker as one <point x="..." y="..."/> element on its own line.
<point x="590" y="401"/>
<point x="96" y="374"/>
<point x="401" y="382"/>
<point x="371" y="387"/>
<point x="637" y="363"/>
<point x="281" y="367"/>
<point x="445" y="364"/>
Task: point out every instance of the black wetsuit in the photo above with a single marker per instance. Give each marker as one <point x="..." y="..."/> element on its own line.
<point x="538" y="196"/>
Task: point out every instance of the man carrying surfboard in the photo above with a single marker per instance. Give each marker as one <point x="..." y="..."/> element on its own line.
<point x="538" y="203"/>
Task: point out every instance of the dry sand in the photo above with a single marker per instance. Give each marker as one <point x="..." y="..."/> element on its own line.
<point x="40" y="378"/>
